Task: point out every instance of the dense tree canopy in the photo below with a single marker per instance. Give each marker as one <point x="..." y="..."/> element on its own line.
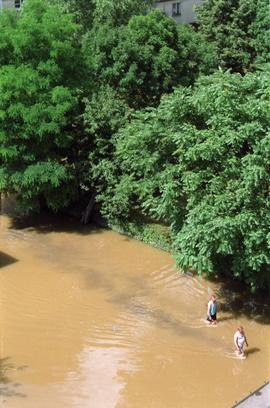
<point x="145" y="58"/>
<point x="119" y="12"/>
<point x="82" y="11"/>
<point x="111" y="98"/>
<point x="239" y="30"/>
<point x="105" y="113"/>
<point x="96" y="12"/>
<point x="200" y="162"/>
<point x="38" y="103"/>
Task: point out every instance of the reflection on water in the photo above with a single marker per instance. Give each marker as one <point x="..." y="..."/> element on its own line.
<point x="8" y="388"/>
<point x="90" y="318"/>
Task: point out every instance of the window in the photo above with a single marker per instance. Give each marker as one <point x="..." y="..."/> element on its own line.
<point x="176" y="9"/>
<point x="18" y="4"/>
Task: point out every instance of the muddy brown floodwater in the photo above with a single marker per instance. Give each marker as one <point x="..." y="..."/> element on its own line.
<point x="92" y="319"/>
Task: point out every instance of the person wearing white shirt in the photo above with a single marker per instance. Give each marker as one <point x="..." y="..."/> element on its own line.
<point x="239" y="341"/>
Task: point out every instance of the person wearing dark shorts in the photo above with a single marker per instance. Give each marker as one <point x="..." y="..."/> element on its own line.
<point x="212" y="310"/>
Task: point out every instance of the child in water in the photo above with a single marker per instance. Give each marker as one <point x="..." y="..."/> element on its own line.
<point x="239" y="341"/>
<point x="212" y="310"/>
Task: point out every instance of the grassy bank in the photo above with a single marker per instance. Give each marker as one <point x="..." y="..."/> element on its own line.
<point x="149" y="232"/>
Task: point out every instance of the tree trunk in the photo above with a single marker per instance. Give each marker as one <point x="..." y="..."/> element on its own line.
<point x="86" y="215"/>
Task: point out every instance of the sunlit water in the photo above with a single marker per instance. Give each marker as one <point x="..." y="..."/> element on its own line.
<point x="92" y="319"/>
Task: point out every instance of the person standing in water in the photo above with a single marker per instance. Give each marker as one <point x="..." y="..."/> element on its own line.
<point x="239" y="341"/>
<point x="212" y="310"/>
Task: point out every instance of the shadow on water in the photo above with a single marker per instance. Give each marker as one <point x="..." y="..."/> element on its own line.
<point x="47" y="221"/>
<point x="156" y="317"/>
<point x="235" y="298"/>
<point x="8" y="388"/>
<point x="6" y="260"/>
<point x="252" y="350"/>
<point x="224" y="318"/>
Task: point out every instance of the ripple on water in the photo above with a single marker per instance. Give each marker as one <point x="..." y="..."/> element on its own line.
<point x="101" y="323"/>
<point x="168" y="277"/>
<point x="163" y="276"/>
<point x="121" y="333"/>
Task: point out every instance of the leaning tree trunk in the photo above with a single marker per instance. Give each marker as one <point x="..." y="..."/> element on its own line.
<point x="86" y="215"/>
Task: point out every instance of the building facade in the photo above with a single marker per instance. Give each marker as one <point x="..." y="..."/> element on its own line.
<point x="183" y="11"/>
<point x="11" y="4"/>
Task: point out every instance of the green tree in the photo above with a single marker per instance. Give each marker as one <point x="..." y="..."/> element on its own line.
<point x="196" y="55"/>
<point x="119" y="12"/>
<point x="39" y="104"/>
<point x="224" y="152"/>
<point x="239" y="30"/>
<point x="105" y="113"/>
<point x="143" y="176"/>
<point x="145" y="58"/>
<point x="98" y="12"/>
<point x="81" y="10"/>
<point x="8" y="21"/>
<point x="200" y="162"/>
<point x="260" y="30"/>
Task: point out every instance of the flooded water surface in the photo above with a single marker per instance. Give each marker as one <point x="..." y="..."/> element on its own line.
<point x="92" y="319"/>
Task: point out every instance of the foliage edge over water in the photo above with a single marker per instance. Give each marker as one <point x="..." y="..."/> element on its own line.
<point x="101" y="99"/>
<point x="200" y="162"/>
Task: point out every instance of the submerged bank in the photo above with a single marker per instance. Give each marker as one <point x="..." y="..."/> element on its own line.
<point x="89" y="316"/>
